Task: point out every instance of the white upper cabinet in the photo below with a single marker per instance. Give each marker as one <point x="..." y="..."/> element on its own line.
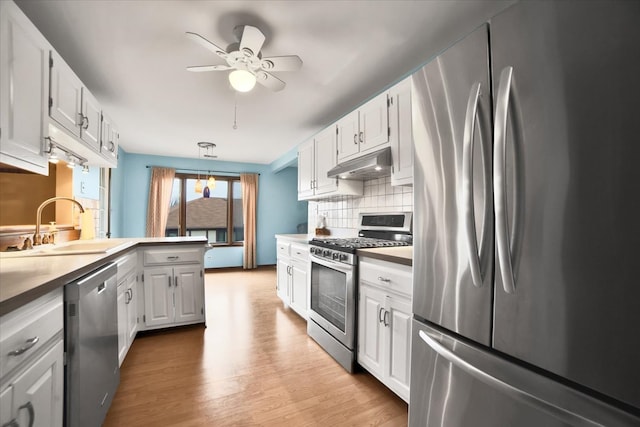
<point x="364" y="130"/>
<point x="92" y="119"/>
<point x="73" y="106"/>
<point x="42" y="99"/>
<point x="401" y="135"/>
<point x="306" y="169"/>
<point x="24" y="91"/>
<point x="325" y="153"/>
<point x="109" y="138"/>
<point x="315" y="158"/>
<point x="66" y="96"/>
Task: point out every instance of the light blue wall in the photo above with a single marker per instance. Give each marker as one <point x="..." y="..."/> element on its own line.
<point x="279" y="210"/>
<point x="86" y="185"/>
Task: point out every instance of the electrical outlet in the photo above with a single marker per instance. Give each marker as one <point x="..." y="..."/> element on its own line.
<point x="83" y="187"/>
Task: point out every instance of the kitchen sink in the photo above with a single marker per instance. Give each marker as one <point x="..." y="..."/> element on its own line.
<point x="76" y="247"/>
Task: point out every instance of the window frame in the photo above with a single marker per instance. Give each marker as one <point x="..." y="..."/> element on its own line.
<point x="182" y="211"/>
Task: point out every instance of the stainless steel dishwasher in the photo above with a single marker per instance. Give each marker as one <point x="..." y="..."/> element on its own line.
<point x="91" y="346"/>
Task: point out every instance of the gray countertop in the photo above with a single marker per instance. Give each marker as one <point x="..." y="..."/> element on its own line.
<point x="399" y="255"/>
<point x="297" y="238"/>
<point x="27" y="278"/>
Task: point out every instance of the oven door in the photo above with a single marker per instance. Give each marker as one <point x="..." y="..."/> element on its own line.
<point x="333" y="299"/>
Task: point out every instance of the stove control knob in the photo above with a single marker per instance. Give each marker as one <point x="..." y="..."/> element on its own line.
<point x="336" y="255"/>
<point x="326" y="252"/>
<point x="343" y="257"/>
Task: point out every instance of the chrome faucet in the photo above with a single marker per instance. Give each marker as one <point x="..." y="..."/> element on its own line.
<point x="36" y="236"/>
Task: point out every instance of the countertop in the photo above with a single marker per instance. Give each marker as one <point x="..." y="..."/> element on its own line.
<point x="24" y="279"/>
<point x="298" y="238"/>
<point x="399" y="254"/>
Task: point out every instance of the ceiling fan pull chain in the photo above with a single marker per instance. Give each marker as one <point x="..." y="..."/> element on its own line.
<point x="235" y="111"/>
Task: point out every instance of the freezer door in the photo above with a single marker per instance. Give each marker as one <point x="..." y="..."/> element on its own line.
<point x="455" y="384"/>
<point x="567" y="83"/>
<point x="453" y="219"/>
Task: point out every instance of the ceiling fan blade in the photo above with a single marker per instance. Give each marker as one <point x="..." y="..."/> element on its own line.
<point x="270" y="81"/>
<point x="251" y="39"/>
<point x="200" y="68"/>
<point x="207" y="44"/>
<point x="281" y="63"/>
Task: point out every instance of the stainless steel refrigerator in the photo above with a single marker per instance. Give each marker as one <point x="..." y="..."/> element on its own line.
<point x="526" y="293"/>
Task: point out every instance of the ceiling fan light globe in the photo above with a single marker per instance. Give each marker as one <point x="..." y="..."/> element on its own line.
<point x="242" y="80"/>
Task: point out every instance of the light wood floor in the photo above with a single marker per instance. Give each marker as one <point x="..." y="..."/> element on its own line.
<point x="253" y="365"/>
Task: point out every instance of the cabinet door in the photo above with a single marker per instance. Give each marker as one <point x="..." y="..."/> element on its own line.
<point x="24" y="90"/>
<point x="6" y="405"/>
<point x="401" y="138"/>
<point x="66" y="96"/>
<point x="92" y="118"/>
<point x="348" y="143"/>
<point x="282" y="287"/>
<point x="158" y="296"/>
<point x="306" y="170"/>
<point x="189" y="296"/>
<point x="398" y="345"/>
<point x="38" y="392"/>
<point x="371" y="329"/>
<point x="325" y="152"/>
<point x="299" y="276"/>
<point x="122" y="301"/>
<point x="132" y="308"/>
<point x="374" y="124"/>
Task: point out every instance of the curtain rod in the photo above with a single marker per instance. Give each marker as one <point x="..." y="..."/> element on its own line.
<point x="198" y="170"/>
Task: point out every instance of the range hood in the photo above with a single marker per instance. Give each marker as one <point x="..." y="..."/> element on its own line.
<point x="369" y="166"/>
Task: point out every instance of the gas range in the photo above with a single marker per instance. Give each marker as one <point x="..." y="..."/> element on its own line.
<point x="378" y="231"/>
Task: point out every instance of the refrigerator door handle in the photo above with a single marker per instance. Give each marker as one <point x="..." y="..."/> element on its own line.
<point x="474" y="110"/>
<point x="542" y="393"/>
<point x="500" y="180"/>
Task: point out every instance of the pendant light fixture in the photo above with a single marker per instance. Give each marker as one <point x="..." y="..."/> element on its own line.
<point x="198" y="186"/>
<point x="210" y="183"/>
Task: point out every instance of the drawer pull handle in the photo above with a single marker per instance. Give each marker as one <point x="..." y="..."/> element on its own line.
<point x="32" y="414"/>
<point x="30" y="343"/>
<point x="173" y="258"/>
<point x="384" y="279"/>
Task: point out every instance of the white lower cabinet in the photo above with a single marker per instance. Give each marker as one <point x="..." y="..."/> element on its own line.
<point x="174" y="290"/>
<point x="127" y="296"/>
<point x="293" y="276"/>
<point x="384" y="323"/>
<point x="31" y="364"/>
<point x="127" y="314"/>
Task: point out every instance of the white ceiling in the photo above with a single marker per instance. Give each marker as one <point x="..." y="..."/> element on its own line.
<point x="132" y="56"/>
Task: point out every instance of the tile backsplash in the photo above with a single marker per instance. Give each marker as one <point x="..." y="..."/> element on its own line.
<point x="344" y="211"/>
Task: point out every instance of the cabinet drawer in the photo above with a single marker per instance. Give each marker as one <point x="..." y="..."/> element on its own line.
<point x="283" y="248"/>
<point x="300" y="251"/>
<point x="27" y="329"/>
<point x="127" y="264"/>
<point x="170" y="255"/>
<point x="387" y="275"/>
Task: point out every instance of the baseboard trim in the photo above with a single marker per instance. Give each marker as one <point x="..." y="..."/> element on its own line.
<point x="228" y="269"/>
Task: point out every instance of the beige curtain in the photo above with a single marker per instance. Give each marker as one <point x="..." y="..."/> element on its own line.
<point x="249" y="182"/>
<point x="159" y="200"/>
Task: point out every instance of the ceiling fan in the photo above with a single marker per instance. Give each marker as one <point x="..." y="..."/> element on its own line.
<point x="246" y="61"/>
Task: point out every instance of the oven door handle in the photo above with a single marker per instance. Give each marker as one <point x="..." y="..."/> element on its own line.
<point x="345" y="268"/>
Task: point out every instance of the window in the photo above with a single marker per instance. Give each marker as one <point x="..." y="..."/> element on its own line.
<point x="214" y="217"/>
